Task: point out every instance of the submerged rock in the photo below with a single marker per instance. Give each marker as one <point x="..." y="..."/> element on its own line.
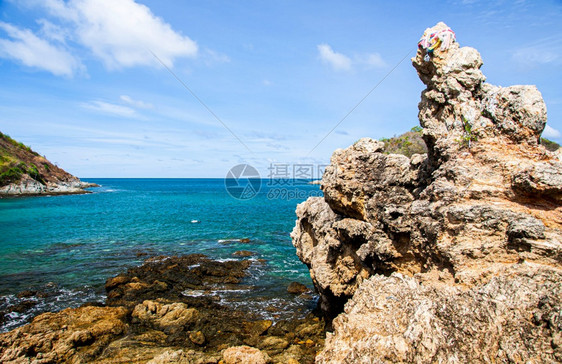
<point x="297" y="288"/>
<point x="169" y="277"/>
<point x="426" y="253"/>
<point x="243" y="253"/>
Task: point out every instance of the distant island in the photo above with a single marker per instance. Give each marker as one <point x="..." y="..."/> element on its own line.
<point x="25" y="172"/>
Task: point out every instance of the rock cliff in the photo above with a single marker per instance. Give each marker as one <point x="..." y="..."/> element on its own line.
<point x="25" y="172"/>
<point x="450" y="256"/>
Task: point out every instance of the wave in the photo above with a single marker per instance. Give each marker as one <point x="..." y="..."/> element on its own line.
<point x="17" y="311"/>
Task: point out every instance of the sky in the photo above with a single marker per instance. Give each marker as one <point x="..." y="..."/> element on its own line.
<point x="123" y="88"/>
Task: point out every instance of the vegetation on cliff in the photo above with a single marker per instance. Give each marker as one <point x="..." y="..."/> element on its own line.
<point x="17" y="161"/>
<point x="550" y="145"/>
<point x="24" y="171"/>
<point x="12" y="167"/>
<point x="411" y="142"/>
<point x="407" y="144"/>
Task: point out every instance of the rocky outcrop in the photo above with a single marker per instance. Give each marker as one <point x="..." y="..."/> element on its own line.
<point x="165" y="311"/>
<point x="25" y="172"/>
<point x="454" y="255"/>
<point x="72" y="335"/>
<point x="513" y="318"/>
<point x="29" y="186"/>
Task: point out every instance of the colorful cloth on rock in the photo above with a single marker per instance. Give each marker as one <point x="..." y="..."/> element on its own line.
<point x="441" y="39"/>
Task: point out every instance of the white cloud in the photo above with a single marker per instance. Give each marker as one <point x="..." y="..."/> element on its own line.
<point x="341" y="62"/>
<point x="546" y="50"/>
<point x="211" y="57"/>
<point x="122" y="33"/>
<point x="52" y="31"/>
<point x="374" y="60"/>
<point x="535" y="57"/>
<point x="109" y="108"/>
<point x="136" y="103"/>
<point x="32" y="51"/>
<point x="550" y="132"/>
<point x="337" y="61"/>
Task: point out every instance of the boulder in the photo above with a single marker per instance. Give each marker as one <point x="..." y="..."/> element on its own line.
<point x="297" y="288"/>
<point x="244" y="355"/>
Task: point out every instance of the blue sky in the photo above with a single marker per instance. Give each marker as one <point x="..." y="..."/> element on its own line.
<point x="82" y="81"/>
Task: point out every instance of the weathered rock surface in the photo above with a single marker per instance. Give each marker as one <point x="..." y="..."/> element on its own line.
<point x="514" y="317"/>
<point x="29" y="186"/>
<point x="72" y="335"/>
<point x="444" y="256"/>
<point x="244" y="355"/>
<point x="165" y="312"/>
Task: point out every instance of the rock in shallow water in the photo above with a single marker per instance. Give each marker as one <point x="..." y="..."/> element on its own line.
<point x="168" y="277"/>
<point x="297" y="288"/>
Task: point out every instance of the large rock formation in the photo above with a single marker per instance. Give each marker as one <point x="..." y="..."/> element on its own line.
<point x="453" y="256"/>
<point x="24" y="172"/>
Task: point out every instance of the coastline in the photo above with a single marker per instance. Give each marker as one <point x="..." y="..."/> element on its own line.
<point x="168" y="306"/>
<point x="32" y="187"/>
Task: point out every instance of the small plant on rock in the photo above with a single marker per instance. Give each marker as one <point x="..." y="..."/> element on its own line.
<point x="468" y="136"/>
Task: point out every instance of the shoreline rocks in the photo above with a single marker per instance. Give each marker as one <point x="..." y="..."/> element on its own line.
<point x="164" y="311"/>
<point x="31" y="187"/>
<point x="443" y="255"/>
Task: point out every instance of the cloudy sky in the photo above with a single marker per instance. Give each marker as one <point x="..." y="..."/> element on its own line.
<point x="123" y="88"/>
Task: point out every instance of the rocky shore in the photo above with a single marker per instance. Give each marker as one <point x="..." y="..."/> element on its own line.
<point x="23" y="172"/>
<point x="31" y="187"/>
<point x="454" y="255"/>
<point x="450" y="256"/>
<point x="169" y="310"/>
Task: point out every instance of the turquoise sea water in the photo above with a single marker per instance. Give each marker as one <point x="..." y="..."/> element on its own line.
<point x="69" y="245"/>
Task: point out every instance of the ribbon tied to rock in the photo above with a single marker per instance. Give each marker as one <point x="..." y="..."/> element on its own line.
<point x="441" y="39"/>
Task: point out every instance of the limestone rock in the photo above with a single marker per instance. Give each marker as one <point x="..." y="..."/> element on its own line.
<point x="273" y="345"/>
<point x="68" y="336"/>
<point x="257" y="328"/>
<point x="197" y="337"/>
<point x="166" y="317"/>
<point x="170" y="357"/>
<point x="183" y="357"/>
<point x="460" y="227"/>
<point x="512" y="318"/>
<point x="244" y="355"/>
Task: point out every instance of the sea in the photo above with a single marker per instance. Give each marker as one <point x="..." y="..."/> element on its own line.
<point x="66" y="247"/>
